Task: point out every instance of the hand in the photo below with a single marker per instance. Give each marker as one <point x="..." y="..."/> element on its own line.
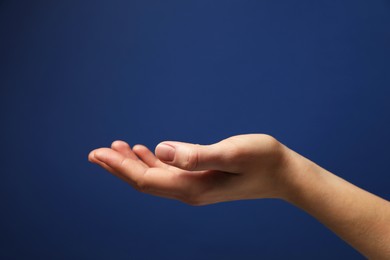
<point x="240" y="167"/>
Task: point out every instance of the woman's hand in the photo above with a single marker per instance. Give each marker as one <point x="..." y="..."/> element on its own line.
<point x="240" y="167"/>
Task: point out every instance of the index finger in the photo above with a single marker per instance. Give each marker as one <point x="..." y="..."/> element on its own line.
<point x="129" y="169"/>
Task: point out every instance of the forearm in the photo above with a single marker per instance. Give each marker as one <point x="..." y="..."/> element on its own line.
<point x="357" y="216"/>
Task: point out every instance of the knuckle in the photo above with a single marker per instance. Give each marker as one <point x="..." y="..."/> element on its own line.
<point x="191" y="161"/>
<point x="233" y="152"/>
<point x="273" y="146"/>
<point x="268" y="139"/>
<point x="123" y="162"/>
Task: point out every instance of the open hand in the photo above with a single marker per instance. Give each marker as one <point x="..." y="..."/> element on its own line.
<point x="240" y="167"/>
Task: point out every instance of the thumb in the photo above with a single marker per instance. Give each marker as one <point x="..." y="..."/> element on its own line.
<point x="187" y="156"/>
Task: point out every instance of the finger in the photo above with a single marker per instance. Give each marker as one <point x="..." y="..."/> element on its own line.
<point x="123" y="148"/>
<point x="191" y="156"/>
<point x="148" y="157"/>
<point x="92" y="159"/>
<point x="129" y="169"/>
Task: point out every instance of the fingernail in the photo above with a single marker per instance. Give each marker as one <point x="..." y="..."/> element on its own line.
<point x="91" y="156"/>
<point x="165" y="152"/>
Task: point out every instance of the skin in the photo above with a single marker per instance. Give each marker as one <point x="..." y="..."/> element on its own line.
<point x="253" y="166"/>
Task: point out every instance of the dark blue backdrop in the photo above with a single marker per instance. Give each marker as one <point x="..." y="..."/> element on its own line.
<point x="76" y="75"/>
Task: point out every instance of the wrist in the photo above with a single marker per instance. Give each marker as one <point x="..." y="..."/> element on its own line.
<point x="298" y="174"/>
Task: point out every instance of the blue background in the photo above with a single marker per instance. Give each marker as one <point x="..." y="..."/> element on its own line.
<point x="76" y="75"/>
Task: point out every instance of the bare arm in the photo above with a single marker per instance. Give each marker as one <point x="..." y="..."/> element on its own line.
<point x="357" y="216"/>
<point x="252" y="167"/>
